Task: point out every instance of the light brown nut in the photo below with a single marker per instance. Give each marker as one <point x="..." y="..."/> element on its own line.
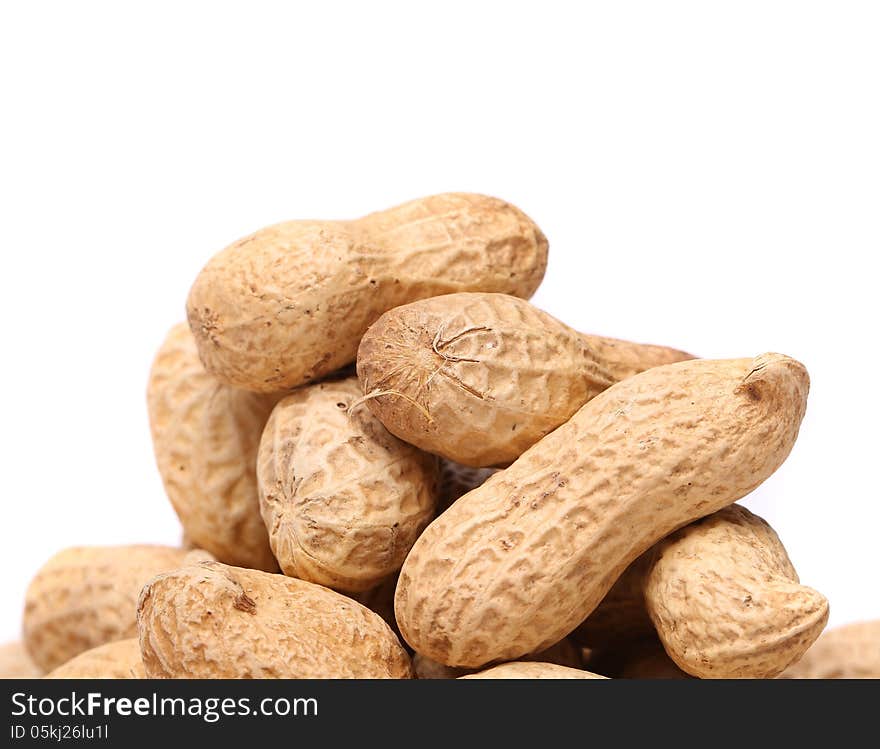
<point x="563" y="653"/>
<point x="205" y="437"/>
<point x="456" y="480"/>
<point x="721" y="594"/>
<point x="15" y="663"/>
<point x="851" y="651"/>
<point x="212" y="621"/>
<point x="343" y="499"/>
<point x="86" y="596"/>
<point x="476" y="378"/>
<point x="115" y="660"/>
<point x="290" y="303"/>
<point x="625" y="359"/>
<point x="531" y="670"/>
<point x="726" y="601"/>
<point x="517" y="564"/>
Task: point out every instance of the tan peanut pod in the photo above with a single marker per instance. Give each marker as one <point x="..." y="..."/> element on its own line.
<point x="625" y="359"/>
<point x="726" y="600"/>
<point x="563" y="653"/>
<point x="212" y="621"/>
<point x="479" y="378"/>
<point x="456" y="480"/>
<point x="532" y="670"/>
<point x="723" y="596"/>
<point x="15" y="663"/>
<point x="86" y="596"/>
<point x="115" y="660"/>
<point x="851" y="651"/>
<point x="518" y="563"/>
<point x="290" y="303"/>
<point x="205" y="437"/>
<point x="343" y="499"/>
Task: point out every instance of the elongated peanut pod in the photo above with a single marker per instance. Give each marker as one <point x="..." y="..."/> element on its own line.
<point x="518" y="563"/>
<point x="624" y="359"/>
<point x="479" y="378"/>
<point x="205" y="437"/>
<point x="851" y="651"/>
<point x="342" y="498"/>
<point x="532" y="670"/>
<point x="115" y="660"/>
<point x="290" y="303"/>
<point x="16" y="663"/>
<point x="211" y="621"/>
<point x="85" y="596"/>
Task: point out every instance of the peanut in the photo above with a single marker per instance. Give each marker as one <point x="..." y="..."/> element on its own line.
<point x="531" y="670"/>
<point x="342" y="498"/>
<point x="723" y="597"/>
<point x="212" y="621"/>
<point x="518" y="563"/>
<point x="15" y="663"/>
<point x="205" y="436"/>
<point x="851" y="651"/>
<point x="85" y="596"/>
<point x="115" y="660"/>
<point x="479" y="378"/>
<point x="290" y="303"/>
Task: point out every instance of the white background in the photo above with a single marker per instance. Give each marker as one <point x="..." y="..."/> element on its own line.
<point x="708" y="175"/>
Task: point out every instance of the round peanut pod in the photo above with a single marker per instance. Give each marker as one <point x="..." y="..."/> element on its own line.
<point x="205" y="437"/>
<point x="722" y="595"/>
<point x="851" y="651"/>
<point x="726" y="600"/>
<point x="86" y="596"/>
<point x="563" y="653"/>
<point x="115" y="660"/>
<point x="531" y="670"/>
<point x="290" y="303"/>
<point x="212" y="621"/>
<point x="16" y="663"/>
<point x="479" y="378"/>
<point x="518" y="563"/>
<point x="342" y="498"/>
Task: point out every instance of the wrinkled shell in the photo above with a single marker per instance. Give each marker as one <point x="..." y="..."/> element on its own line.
<point x="623" y="359"/>
<point x="212" y="621"/>
<point x="726" y="601"/>
<point x="86" y="596"/>
<point x="343" y="499"/>
<point x="205" y="436"/>
<point x="563" y="653"/>
<point x="456" y="480"/>
<point x="15" y="663"/>
<point x="115" y="660"/>
<point x="476" y="378"/>
<point x="532" y="670"/>
<point x="290" y="303"/>
<point x="518" y="563"/>
<point x="848" y="652"/>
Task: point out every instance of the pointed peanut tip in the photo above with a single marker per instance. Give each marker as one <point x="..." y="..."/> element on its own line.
<point x="776" y="376"/>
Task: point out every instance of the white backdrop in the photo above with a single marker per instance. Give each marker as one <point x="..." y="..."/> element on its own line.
<point x="707" y="174"/>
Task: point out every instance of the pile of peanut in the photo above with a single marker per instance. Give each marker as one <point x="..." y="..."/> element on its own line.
<point x="488" y="493"/>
